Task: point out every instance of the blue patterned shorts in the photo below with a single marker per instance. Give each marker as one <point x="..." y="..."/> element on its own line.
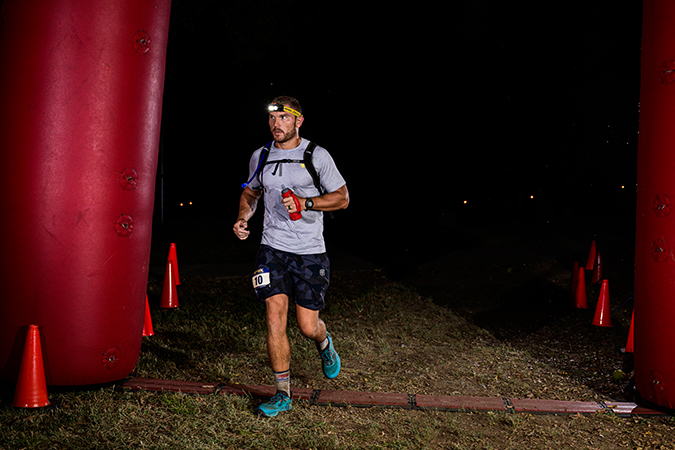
<point x="305" y="278"/>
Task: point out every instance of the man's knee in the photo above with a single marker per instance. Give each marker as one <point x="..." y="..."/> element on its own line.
<point x="309" y="323"/>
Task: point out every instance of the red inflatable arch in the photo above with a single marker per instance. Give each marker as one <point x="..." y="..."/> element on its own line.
<point x="654" y="325"/>
<point x="81" y="84"/>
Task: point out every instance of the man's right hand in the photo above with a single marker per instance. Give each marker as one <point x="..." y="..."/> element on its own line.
<point x="241" y="229"/>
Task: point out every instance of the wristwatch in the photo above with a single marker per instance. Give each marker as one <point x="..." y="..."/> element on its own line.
<point x="309" y="204"/>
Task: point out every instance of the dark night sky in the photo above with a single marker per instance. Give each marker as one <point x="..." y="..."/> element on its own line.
<point x="422" y="107"/>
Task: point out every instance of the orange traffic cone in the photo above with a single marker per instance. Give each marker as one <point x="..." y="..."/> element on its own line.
<point x="580" y="301"/>
<point x="31" y="387"/>
<point x="603" y="315"/>
<point x="574" y="279"/>
<point x="147" y="322"/>
<point x="629" y="342"/>
<point x="591" y="257"/>
<point x="169" y="292"/>
<point x="597" y="269"/>
<point x="174" y="258"/>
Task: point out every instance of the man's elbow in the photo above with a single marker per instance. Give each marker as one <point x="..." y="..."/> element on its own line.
<point x="345" y="201"/>
<point x="344" y="204"/>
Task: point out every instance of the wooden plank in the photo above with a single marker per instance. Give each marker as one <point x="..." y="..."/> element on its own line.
<point x="405" y="401"/>
<point x="537" y="406"/>
<point x="262" y="391"/>
<point x="188" y="387"/>
<point x="460" y="403"/>
<point x="363" y="399"/>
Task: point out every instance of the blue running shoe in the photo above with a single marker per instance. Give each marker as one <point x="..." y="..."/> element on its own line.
<point x="330" y="360"/>
<point x="279" y="403"/>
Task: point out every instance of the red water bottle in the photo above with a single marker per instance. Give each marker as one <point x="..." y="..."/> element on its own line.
<point x="285" y="193"/>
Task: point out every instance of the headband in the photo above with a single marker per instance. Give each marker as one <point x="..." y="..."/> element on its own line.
<point x="280" y="107"/>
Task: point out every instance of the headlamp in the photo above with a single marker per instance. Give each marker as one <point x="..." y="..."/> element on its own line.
<point x="279" y="107"/>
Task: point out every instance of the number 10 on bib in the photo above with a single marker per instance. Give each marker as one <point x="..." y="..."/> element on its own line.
<point x="261" y="278"/>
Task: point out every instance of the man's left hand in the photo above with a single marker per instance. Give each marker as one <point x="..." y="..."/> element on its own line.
<point x="290" y="206"/>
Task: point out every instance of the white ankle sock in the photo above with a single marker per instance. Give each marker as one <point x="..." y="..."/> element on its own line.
<point x="282" y="380"/>
<point x="323" y="345"/>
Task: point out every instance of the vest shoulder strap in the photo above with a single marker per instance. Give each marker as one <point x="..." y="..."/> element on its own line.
<point x="309" y="165"/>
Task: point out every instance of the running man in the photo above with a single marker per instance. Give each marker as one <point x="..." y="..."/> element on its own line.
<point x="291" y="261"/>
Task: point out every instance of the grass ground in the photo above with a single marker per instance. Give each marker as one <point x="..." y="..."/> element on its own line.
<point x="501" y="328"/>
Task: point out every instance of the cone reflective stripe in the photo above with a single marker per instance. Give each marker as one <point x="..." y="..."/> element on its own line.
<point x="147" y="323"/>
<point x="603" y="314"/>
<point x="169" y="291"/>
<point x="31" y="387"/>
<point x="597" y="268"/>
<point x="580" y="301"/>
<point x="629" y="342"/>
<point x="591" y="257"/>
<point x="574" y="279"/>
<point x="174" y="259"/>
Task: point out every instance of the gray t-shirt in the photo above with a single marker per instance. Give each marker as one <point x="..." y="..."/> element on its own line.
<point x="304" y="236"/>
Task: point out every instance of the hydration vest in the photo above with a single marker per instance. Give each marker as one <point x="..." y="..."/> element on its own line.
<point x="307" y="160"/>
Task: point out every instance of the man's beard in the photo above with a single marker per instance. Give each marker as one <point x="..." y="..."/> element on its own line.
<point x="285" y="137"/>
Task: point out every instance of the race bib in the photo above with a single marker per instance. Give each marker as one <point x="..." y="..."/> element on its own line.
<point x="261" y="278"/>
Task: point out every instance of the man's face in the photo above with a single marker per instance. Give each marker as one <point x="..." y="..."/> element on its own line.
<point x="283" y="126"/>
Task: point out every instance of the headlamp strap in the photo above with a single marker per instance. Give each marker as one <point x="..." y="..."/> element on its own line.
<point x="280" y="107"/>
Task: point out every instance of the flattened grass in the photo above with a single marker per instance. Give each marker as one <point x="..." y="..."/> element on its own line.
<point x="391" y="339"/>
